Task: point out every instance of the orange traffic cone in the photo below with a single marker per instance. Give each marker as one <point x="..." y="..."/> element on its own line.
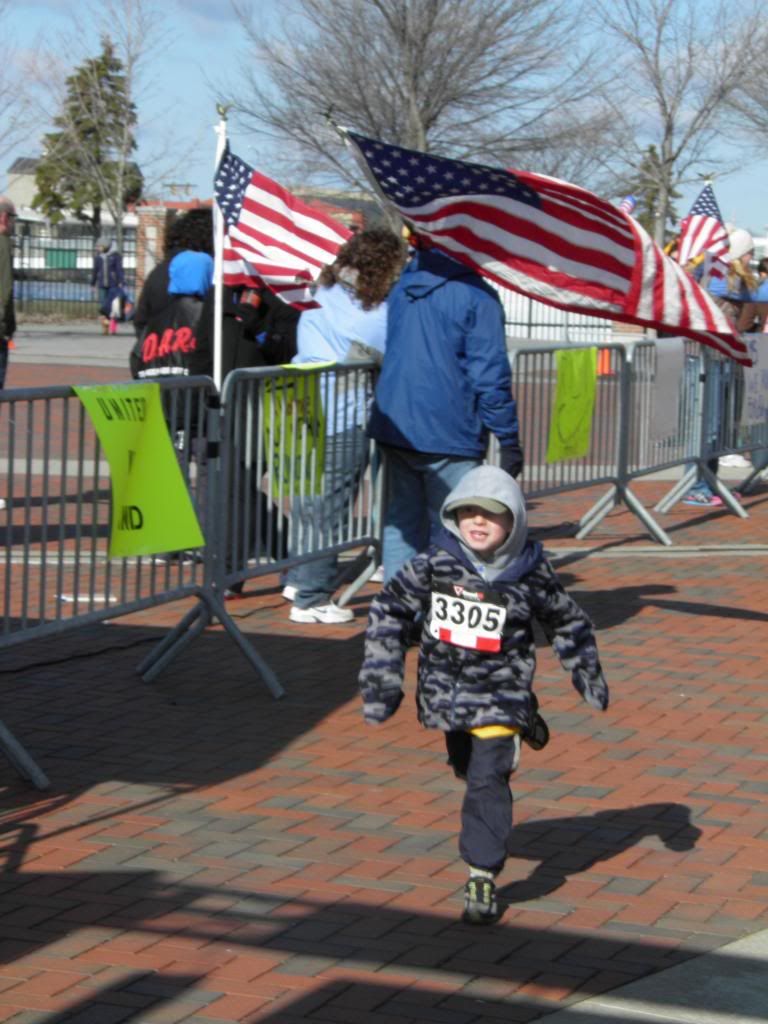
<point x="604" y="363"/>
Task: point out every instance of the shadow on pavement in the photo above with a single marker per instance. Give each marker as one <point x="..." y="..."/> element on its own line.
<point x="567" y="846"/>
<point x="304" y="936"/>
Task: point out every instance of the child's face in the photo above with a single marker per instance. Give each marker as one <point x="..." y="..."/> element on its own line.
<point x="483" y="531"/>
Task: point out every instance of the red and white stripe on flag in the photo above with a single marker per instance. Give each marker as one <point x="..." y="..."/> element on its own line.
<point x="272" y="238"/>
<point x="548" y="239"/>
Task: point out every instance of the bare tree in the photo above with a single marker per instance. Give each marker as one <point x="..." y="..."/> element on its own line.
<point x="13" y="103"/>
<point x="136" y="33"/>
<point x="490" y="80"/>
<point x="681" y="62"/>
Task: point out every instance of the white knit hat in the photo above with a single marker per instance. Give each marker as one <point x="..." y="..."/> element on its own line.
<point x="740" y="242"/>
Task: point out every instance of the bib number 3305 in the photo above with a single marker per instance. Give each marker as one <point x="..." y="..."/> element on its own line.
<point x="467" y="618"/>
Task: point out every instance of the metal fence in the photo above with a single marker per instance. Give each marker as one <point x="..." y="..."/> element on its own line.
<point x="527" y="318"/>
<point x="53" y="267"/>
<point x="280" y="475"/>
<point x="297" y="480"/>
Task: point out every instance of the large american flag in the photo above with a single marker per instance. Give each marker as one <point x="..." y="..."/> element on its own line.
<point x="271" y="237"/>
<point x="702" y="230"/>
<point x="547" y="239"/>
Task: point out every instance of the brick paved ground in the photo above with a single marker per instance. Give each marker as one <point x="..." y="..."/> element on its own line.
<point x="207" y="854"/>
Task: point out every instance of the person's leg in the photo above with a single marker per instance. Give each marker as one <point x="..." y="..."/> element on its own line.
<point x="417" y="485"/>
<point x="442" y="474"/>
<point x="3" y="361"/>
<point x="486" y="813"/>
<point x="406" y="523"/>
<point x="325" y="517"/>
<point x="486" y="823"/>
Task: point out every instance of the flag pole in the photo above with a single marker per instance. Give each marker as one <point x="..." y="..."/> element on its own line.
<point x="386" y="204"/>
<point x="218" y="249"/>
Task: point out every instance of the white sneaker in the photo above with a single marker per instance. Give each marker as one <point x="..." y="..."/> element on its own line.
<point x="736" y="461"/>
<point x="378" y="576"/>
<point x="2" y="503"/>
<point x="329" y="614"/>
<point x="289" y="592"/>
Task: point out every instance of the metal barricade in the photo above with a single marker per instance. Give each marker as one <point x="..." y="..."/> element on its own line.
<point x="56" y="573"/>
<point x="299" y="476"/>
<point x="534" y="380"/>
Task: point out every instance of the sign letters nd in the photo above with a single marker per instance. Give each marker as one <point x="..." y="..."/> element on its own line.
<point x="152" y="511"/>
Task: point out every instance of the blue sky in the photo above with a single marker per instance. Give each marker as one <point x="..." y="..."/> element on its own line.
<point x="204" y="43"/>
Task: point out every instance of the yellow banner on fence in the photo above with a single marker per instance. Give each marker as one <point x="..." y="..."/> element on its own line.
<point x="152" y="511"/>
<point x="570" y="427"/>
<point x="294" y="431"/>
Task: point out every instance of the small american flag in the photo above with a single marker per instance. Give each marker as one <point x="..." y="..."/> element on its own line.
<point x="702" y="230"/>
<point x="547" y="239"/>
<point x="271" y="237"/>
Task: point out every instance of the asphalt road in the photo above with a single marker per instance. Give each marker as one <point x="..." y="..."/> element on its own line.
<point x="79" y="343"/>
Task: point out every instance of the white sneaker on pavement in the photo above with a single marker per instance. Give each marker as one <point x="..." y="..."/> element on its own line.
<point x="736" y="461"/>
<point x="2" y="503"/>
<point x="289" y="592"/>
<point x="378" y="576"/>
<point x="329" y="614"/>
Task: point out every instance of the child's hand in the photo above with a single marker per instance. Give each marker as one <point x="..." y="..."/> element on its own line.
<point x="377" y="711"/>
<point x="592" y="687"/>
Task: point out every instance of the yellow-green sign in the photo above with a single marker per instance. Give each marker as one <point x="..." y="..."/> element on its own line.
<point x="152" y="511"/>
<point x="571" y="423"/>
<point x="294" y="431"/>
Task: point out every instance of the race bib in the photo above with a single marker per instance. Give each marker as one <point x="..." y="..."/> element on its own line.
<point x="467" y="618"/>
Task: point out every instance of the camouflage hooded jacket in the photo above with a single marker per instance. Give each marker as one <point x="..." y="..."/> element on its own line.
<point x="462" y="688"/>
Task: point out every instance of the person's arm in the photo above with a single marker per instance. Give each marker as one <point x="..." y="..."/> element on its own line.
<point x="391" y="615"/>
<point x="569" y="629"/>
<point x="7" y="313"/>
<point x="491" y="378"/>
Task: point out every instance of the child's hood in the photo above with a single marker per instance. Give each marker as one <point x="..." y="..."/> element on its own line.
<point x="492" y="483"/>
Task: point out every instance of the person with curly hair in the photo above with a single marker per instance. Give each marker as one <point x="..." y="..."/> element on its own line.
<point x="349" y="325"/>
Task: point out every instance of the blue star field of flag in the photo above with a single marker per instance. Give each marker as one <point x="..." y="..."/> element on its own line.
<point x="411" y="179"/>
<point x="232" y="180"/>
<point x="706" y="205"/>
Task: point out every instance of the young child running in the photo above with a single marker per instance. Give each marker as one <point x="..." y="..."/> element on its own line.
<point x="477" y="592"/>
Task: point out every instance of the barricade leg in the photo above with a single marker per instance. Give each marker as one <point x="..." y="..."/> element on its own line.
<point x="216" y="608"/>
<point x="373" y="554"/>
<point x="21" y="760"/>
<point x="683" y="485"/>
<point x="718" y="487"/>
<point x="182" y="634"/>
<point x="643" y="515"/>
<point x="597" y="513"/>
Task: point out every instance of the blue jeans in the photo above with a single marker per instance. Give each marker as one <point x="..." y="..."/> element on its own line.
<point x="417" y="485"/>
<point x="319" y="521"/>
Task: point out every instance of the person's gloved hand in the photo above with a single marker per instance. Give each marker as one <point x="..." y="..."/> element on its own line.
<point x="592" y="687"/>
<point x="511" y="459"/>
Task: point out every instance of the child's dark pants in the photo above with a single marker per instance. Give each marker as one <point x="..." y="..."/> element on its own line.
<point x="486" y="813"/>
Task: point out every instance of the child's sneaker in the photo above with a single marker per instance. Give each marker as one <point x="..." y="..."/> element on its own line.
<point x="480" y="903"/>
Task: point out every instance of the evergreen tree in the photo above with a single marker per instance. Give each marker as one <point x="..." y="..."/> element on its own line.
<point x="645" y="185"/>
<point x="86" y="166"/>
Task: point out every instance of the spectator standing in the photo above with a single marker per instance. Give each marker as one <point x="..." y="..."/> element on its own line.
<point x="191" y="232"/>
<point x="109" y="278"/>
<point x="445" y="385"/>
<point x="7" y="310"/>
<point x="477" y="593"/>
<point x="349" y="325"/>
<point x="724" y="382"/>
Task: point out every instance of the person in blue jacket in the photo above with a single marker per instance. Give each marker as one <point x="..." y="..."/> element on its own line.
<point x="108" y="277"/>
<point x="445" y="385"/>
